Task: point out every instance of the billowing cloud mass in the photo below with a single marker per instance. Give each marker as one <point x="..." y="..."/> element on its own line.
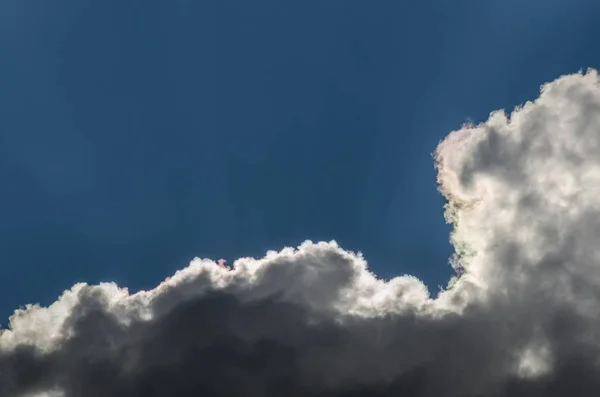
<point x="521" y="318"/>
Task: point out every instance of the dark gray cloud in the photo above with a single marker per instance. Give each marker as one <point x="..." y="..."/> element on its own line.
<point x="521" y="319"/>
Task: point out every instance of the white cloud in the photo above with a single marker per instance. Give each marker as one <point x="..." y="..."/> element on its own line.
<point x="523" y="194"/>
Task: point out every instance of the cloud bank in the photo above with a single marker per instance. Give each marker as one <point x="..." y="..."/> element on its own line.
<point x="521" y="318"/>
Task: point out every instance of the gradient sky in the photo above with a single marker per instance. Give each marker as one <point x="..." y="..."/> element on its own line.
<point x="135" y="135"/>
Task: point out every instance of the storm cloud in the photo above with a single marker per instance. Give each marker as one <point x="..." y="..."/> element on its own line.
<point x="521" y="317"/>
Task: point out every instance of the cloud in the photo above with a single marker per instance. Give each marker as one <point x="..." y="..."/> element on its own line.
<point x="522" y="317"/>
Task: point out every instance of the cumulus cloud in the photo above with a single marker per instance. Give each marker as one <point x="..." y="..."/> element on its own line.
<point x="521" y="318"/>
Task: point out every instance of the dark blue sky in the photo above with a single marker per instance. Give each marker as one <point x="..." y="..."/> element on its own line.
<point x="135" y="135"/>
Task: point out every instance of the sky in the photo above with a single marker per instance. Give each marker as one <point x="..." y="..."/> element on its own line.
<point x="136" y="136"/>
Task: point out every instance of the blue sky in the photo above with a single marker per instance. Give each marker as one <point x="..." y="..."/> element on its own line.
<point x="137" y="135"/>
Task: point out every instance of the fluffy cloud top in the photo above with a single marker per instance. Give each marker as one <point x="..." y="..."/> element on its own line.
<point x="520" y="319"/>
